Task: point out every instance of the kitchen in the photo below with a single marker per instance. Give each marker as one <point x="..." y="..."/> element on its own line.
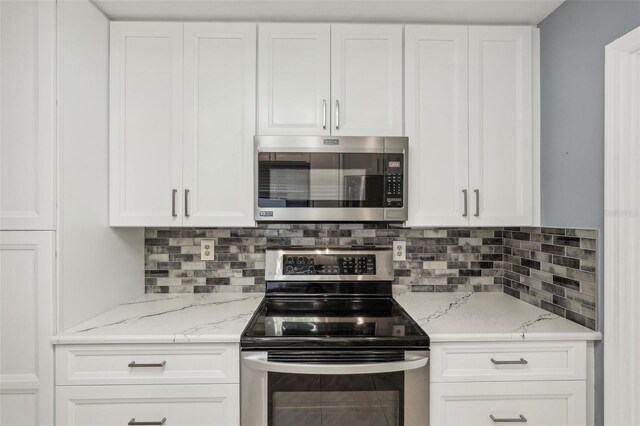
<point x="265" y="212"/>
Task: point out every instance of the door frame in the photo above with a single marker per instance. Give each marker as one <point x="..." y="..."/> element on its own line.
<point x="622" y="231"/>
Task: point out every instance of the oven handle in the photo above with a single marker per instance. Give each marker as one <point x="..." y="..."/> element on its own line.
<point x="260" y="362"/>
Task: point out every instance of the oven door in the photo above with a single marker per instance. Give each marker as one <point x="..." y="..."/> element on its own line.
<point x="343" y="388"/>
<point x="318" y="179"/>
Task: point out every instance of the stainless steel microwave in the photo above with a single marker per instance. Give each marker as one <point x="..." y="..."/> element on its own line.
<point x="316" y="178"/>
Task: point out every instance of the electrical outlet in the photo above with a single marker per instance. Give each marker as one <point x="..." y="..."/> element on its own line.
<point x="399" y="250"/>
<point x="206" y="250"/>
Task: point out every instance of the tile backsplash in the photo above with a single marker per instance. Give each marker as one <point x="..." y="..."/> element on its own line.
<point x="553" y="268"/>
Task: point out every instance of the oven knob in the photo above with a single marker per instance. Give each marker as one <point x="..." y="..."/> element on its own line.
<point x="289" y="259"/>
<point x="300" y="259"/>
<point x="288" y="269"/>
<point x="312" y="269"/>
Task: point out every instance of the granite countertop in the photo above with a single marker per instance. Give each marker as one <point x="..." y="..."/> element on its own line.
<point x="221" y="317"/>
<point x="465" y="317"/>
<point x="169" y="318"/>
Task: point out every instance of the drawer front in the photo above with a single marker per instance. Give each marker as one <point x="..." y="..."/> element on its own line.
<point x="497" y="361"/>
<point x="147" y="364"/>
<point x="187" y="405"/>
<point x="528" y="403"/>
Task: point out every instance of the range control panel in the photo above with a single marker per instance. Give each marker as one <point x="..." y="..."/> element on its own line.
<point x="326" y="264"/>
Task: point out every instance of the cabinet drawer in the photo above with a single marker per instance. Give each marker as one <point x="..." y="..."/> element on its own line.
<point x="147" y="364"/>
<point x="539" y="403"/>
<point x="497" y="361"/>
<point x="187" y="405"/>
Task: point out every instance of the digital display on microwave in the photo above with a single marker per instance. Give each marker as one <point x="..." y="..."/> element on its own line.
<point x="394" y="164"/>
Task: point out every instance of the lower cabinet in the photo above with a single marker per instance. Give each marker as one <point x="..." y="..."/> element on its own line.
<point x="176" y="405"/>
<point x="483" y="383"/>
<point x="544" y="403"/>
<point x="177" y="384"/>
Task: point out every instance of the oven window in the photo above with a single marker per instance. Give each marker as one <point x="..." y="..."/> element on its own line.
<point x="289" y="179"/>
<point x="336" y="400"/>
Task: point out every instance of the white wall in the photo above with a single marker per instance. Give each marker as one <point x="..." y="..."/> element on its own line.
<point x="99" y="267"/>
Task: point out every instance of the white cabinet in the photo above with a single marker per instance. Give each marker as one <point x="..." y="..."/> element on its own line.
<point x="146" y="124"/>
<point x="531" y="403"/>
<point x="182" y="124"/>
<point x="179" y="405"/>
<point x="500" y="125"/>
<point x="436" y="117"/>
<point x="184" y="383"/>
<point x="294" y="79"/>
<point x="469" y="118"/>
<point x="27" y="115"/>
<point x="344" y="80"/>
<point x="219" y="117"/>
<point x="366" y="80"/>
<point x="26" y="326"/>
<point x="540" y="383"/>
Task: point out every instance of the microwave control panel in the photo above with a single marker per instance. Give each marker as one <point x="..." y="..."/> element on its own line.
<point x="393" y="180"/>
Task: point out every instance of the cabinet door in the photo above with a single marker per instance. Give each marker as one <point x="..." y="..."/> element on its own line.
<point x="437" y="117"/>
<point x="27" y="115"/>
<point x="500" y="125"/>
<point x="293" y="79"/>
<point x="219" y="117"/>
<point x="541" y="403"/>
<point x="26" y="327"/>
<point x="146" y="124"/>
<point x="366" y="80"/>
<point x="179" y="405"/>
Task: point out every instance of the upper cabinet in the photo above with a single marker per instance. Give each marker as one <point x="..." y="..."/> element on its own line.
<point x="27" y="115"/>
<point x="469" y="117"/>
<point x="343" y="80"/>
<point x="182" y="124"/>
<point x="294" y="79"/>
<point x="500" y="125"/>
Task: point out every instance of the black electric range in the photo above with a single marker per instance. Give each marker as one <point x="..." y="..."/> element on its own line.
<point x="331" y="298"/>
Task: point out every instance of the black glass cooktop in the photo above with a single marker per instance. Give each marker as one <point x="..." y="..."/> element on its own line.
<point x="332" y="323"/>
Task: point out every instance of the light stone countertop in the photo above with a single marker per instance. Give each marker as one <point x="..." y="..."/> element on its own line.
<point x="169" y="318"/>
<point x="466" y="317"/>
<point x="221" y="317"/>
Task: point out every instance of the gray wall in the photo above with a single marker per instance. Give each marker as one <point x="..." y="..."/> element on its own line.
<point x="572" y="41"/>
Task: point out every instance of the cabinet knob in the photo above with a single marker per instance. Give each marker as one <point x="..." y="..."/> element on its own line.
<point x="519" y="419"/>
<point x="133" y="422"/>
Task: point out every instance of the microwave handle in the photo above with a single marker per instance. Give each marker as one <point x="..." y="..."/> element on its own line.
<point x="260" y="362"/>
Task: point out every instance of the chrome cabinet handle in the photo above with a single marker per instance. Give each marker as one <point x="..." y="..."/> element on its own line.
<point x="477" y="213"/>
<point x="466" y="203"/>
<point x="337" y="114"/>
<point x="133" y="364"/>
<point x="173" y="203"/>
<point x="519" y="419"/>
<point x="521" y="361"/>
<point x="324" y="113"/>
<point x="133" y="422"/>
<point x="186" y="203"/>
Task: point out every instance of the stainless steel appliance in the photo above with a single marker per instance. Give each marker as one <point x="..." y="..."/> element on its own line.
<point x="313" y="178"/>
<point x="330" y="346"/>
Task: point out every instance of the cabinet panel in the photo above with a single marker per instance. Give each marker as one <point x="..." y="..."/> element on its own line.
<point x="500" y="125"/>
<point x="26" y="327"/>
<point x="437" y="124"/>
<point x="366" y="80"/>
<point x="293" y="79"/>
<point x="146" y="123"/>
<point x="179" y="405"/>
<point x="540" y="403"/>
<point x="457" y="362"/>
<point x="27" y="115"/>
<point x="181" y="364"/>
<point x="219" y="117"/>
